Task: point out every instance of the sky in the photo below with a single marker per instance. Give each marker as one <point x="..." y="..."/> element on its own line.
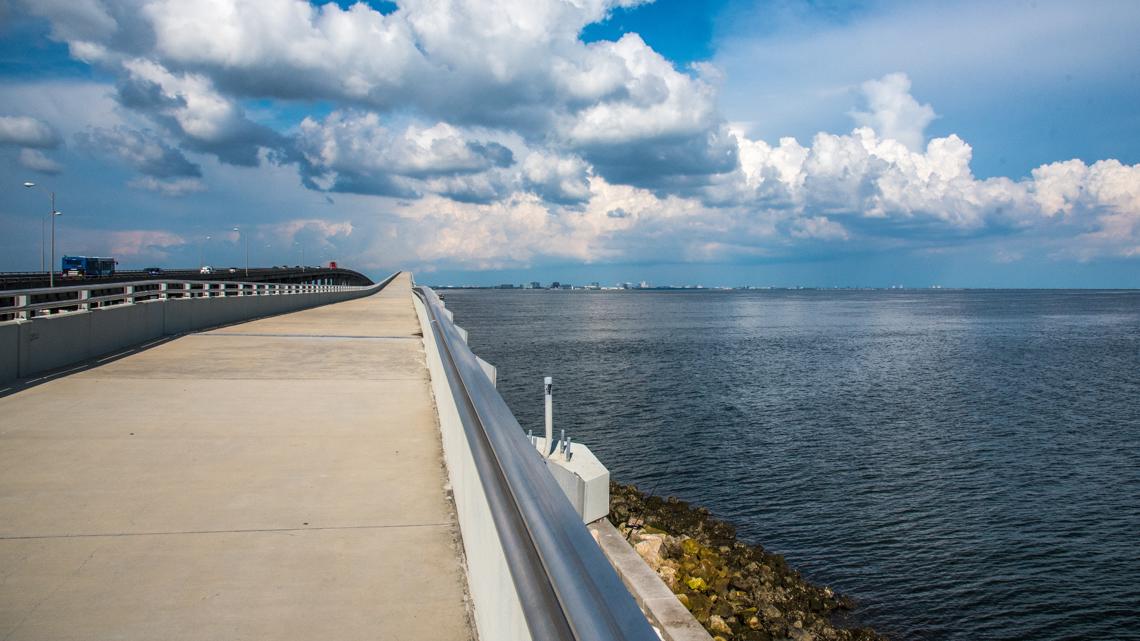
<point x="779" y="143"/>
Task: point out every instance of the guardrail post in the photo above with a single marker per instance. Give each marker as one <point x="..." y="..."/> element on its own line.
<point x="162" y="295"/>
<point x="84" y="295"/>
<point x="128" y="294"/>
<point x="547" y="384"/>
<point x="23" y="301"/>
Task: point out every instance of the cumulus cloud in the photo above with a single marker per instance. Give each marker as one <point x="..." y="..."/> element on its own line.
<point x="25" y="131"/>
<point x="493" y="136"/>
<point x="142" y="243"/>
<point x="142" y="150"/>
<point x="35" y="160"/>
<point x="513" y="66"/>
<point x="556" y="178"/>
<point x="189" y="105"/>
<point x="355" y="152"/>
<point x="893" y="113"/>
<point x="168" y="187"/>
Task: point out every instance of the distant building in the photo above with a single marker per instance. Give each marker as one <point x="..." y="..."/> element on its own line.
<point x="534" y="284"/>
<point x="506" y="286"/>
<point x="643" y="285"/>
<point x="555" y="285"/>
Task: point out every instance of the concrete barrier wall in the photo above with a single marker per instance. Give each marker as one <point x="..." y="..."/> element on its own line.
<point x="39" y="345"/>
<point x="498" y="611"/>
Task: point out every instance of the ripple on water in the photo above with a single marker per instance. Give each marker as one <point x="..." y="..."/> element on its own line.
<point x="965" y="464"/>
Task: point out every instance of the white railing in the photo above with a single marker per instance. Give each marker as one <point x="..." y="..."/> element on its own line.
<point x="25" y="304"/>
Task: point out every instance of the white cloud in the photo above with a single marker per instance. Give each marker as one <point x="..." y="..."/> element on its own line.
<point x="893" y="113"/>
<point x="168" y="187"/>
<point x="559" y="179"/>
<point x="132" y="244"/>
<point x="25" y="131"/>
<point x="818" y="227"/>
<point x="143" y="150"/>
<point x="486" y="134"/>
<point x="513" y="65"/>
<point x="35" y="160"/>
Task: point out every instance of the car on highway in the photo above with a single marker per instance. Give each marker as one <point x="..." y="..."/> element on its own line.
<point x="153" y="271"/>
<point x="206" y="269"/>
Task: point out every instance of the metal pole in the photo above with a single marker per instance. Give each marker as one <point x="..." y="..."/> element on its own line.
<point x="548" y="383"/>
<point x="43" y="242"/>
<point x="246" y="239"/>
<point x="51" y="274"/>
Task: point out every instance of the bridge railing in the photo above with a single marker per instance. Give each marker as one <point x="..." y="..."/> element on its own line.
<point x="49" y="329"/>
<point x="513" y="514"/>
<point x="26" y="304"/>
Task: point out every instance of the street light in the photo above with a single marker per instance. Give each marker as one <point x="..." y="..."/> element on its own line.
<point x="246" y="241"/>
<point x="202" y="252"/>
<point x="53" y="214"/>
<point x="298" y="243"/>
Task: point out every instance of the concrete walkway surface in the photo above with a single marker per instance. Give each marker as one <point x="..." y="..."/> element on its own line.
<point x="276" y="479"/>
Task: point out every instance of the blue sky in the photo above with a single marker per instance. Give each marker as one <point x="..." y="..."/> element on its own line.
<point x="723" y="142"/>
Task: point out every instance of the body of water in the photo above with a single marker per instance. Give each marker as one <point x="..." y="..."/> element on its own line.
<point x="965" y="464"/>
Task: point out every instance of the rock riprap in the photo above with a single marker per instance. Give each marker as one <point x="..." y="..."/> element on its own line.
<point x="736" y="591"/>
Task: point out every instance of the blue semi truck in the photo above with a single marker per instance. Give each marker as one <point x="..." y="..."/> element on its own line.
<point x="84" y="266"/>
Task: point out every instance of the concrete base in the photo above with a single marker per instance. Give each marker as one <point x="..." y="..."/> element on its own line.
<point x="583" y="478"/>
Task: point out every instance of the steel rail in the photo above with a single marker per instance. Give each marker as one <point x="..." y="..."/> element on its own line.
<point x="568" y="590"/>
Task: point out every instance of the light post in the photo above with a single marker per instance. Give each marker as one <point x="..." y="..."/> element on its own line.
<point x="202" y="252"/>
<point x="298" y="243"/>
<point x="53" y="214"/>
<point x="246" y="241"/>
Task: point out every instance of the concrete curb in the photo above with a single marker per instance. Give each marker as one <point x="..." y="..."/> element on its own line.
<point x="665" y="613"/>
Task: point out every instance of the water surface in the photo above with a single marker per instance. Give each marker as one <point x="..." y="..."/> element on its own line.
<point x="965" y="464"/>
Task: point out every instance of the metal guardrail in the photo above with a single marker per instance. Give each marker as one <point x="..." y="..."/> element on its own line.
<point x="568" y="590"/>
<point x="31" y="303"/>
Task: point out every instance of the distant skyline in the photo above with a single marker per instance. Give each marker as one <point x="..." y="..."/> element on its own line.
<point x="783" y="143"/>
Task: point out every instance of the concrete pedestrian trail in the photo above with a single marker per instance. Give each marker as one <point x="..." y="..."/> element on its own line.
<point x="275" y="479"/>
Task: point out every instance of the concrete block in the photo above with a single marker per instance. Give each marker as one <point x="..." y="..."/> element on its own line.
<point x="118" y="327"/>
<point x="583" y="478"/>
<point x="490" y="370"/>
<point x="178" y="315"/>
<point x="49" y="342"/>
<point x="9" y="351"/>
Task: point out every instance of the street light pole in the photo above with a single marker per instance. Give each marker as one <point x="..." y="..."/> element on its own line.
<point x="245" y="239"/>
<point x="53" y="214"/>
<point x="202" y="252"/>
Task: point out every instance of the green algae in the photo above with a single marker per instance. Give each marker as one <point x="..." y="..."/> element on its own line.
<point x="738" y="592"/>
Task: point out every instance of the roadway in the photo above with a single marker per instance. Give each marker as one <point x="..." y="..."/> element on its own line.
<point x="297" y="274"/>
<point x="275" y="479"/>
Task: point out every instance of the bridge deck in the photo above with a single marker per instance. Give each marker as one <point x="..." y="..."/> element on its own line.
<point x="277" y="479"/>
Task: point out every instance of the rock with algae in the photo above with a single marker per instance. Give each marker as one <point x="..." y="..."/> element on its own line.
<point x="738" y="592"/>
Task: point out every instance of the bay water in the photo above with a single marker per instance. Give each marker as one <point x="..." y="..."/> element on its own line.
<point x="964" y="464"/>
